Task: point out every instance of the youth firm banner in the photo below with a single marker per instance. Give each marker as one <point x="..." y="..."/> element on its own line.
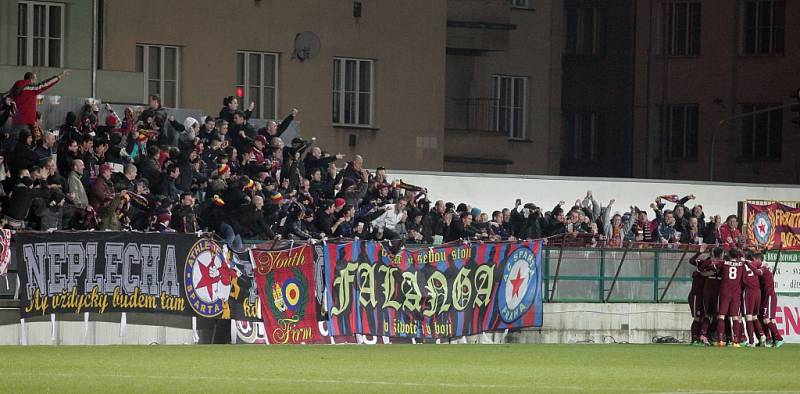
<point x="102" y="272"/>
<point x="287" y="289"/>
<point x="435" y="292"/>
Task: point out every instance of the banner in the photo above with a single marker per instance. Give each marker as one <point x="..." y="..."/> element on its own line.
<point x="787" y="318"/>
<point x="5" y="250"/>
<point x="774" y="225"/>
<point x="435" y="292"/>
<point x="250" y="332"/>
<point x="243" y="299"/>
<point x="287" y="288"/>
<point x="99" y="272"/>
<point x="787" y="276"/>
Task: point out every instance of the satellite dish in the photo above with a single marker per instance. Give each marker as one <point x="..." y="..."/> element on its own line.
<point x="306" y="46"/>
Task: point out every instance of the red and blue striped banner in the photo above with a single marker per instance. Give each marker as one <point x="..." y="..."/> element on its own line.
<point x="439" y="292"/>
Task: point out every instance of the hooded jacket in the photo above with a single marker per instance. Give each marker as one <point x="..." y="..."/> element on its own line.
<point x="24" y="94"/>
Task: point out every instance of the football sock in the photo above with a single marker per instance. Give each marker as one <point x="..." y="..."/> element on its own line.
<point x="704" y="327"/>
<point x="776" y="335"/>
<point x="757" y="327"/>
<point x="737" y="331"/>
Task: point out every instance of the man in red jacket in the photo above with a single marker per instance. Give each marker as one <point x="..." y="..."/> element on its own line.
<point x="24" y="94"/>
<point x="729" y="232"/>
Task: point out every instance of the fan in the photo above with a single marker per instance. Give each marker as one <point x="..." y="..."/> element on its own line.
<point x="306" y="46"/>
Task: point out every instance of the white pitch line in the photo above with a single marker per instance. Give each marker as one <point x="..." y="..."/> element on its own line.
<point x="727" y="392"/>
<point x="283" y="380"/>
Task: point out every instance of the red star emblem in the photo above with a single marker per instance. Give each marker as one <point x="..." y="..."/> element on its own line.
<point x="206" y="280"/>
<point x="762" y="227"/>
<point x="517" y="283"/>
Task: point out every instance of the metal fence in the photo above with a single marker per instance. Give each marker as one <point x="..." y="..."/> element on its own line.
<point x="616" y="275"/>
<point x="581" y="275"/>
<point x="471" y="114"/>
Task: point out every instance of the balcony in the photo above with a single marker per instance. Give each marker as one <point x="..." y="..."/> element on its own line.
<point x="477" y="26"/>
<point x="472" y="144"/>
<point x="470" y="114"/>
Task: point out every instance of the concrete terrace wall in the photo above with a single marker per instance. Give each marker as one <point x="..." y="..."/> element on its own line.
<point x="563" y="323"/>
<point x="491" y="191"/>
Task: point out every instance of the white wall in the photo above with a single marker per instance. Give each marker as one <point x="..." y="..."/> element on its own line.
<point x="491" y="192"/>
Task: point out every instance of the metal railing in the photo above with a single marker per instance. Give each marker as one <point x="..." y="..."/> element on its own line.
<point x="630" y="274"/>
<point x="471" y="114"/>
<point x="574" y="272"/>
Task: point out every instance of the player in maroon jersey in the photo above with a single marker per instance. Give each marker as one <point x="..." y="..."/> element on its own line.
<point x="730" y="292"/>
<point x="769" y="302"/>
<point x="696" y="296"/>
<point x="751" y="298"/>
<point x="710" y="270"/>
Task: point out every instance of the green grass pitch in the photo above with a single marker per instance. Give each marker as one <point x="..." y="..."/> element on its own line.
<point x="393" y="368"/>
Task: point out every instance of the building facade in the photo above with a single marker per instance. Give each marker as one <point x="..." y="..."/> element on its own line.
<point x="597" y="87"/>
<point x="363" y="79"/>
<point x="368" y="77"/>
<point x="503" y="109"/>
<point x="701" y="67"/>
<point x="615" y="88"/>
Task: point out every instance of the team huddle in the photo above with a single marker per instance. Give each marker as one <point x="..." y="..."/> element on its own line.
<point x="733" y="285"/>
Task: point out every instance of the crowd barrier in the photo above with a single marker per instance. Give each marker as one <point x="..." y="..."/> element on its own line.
<point x="341" y="291"/>
<point x="303" y="292"/>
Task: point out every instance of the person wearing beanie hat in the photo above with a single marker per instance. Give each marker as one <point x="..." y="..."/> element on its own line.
<point x="347" y="183"/>
<point x="339" y="203"/>
<point x="276" y="198"/>
<point x="162" y="222"/>
<point x="224" y="171"/>
<point x="475" y="212"/>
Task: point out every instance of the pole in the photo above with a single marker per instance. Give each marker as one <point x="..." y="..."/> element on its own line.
<point x="94" y="49"/>
<point x="673" y="275"/>
<point x="777" y="260"/>
<point x="616" y="275"/>
<point x="558" y="268"/>
<point x="651" y="92"/>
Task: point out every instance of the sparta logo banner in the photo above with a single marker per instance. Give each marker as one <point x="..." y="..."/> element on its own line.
<point x="106" y="271"/>
<point x="286" y="288"/>
<point x="773" y="226"/>
<point x="437" y="292"/>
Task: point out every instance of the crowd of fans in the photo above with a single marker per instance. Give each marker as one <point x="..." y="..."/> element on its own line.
<point x="146" y="171"/>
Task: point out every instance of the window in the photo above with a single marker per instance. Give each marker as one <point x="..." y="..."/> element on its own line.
<point x="521" y="3"/>
<point x="763" y="27"/>
<point x="679" y="127"/>
<point x="256" y="81"/>
<point x="761" y="133"/>
<point x="509" y="105"/>
<point x="583" y="31"/>
<point x="584" y="129"/>
<point x="682" y="28"/>
<point x="160" y="65"/>
<point x="40" y="34"/>
<point x="352" y="91"/>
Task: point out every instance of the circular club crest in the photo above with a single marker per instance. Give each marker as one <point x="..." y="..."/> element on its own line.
<point x="517" y="290"/>
<point x="207" y="278"/>
<point x="762" y="228"/>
